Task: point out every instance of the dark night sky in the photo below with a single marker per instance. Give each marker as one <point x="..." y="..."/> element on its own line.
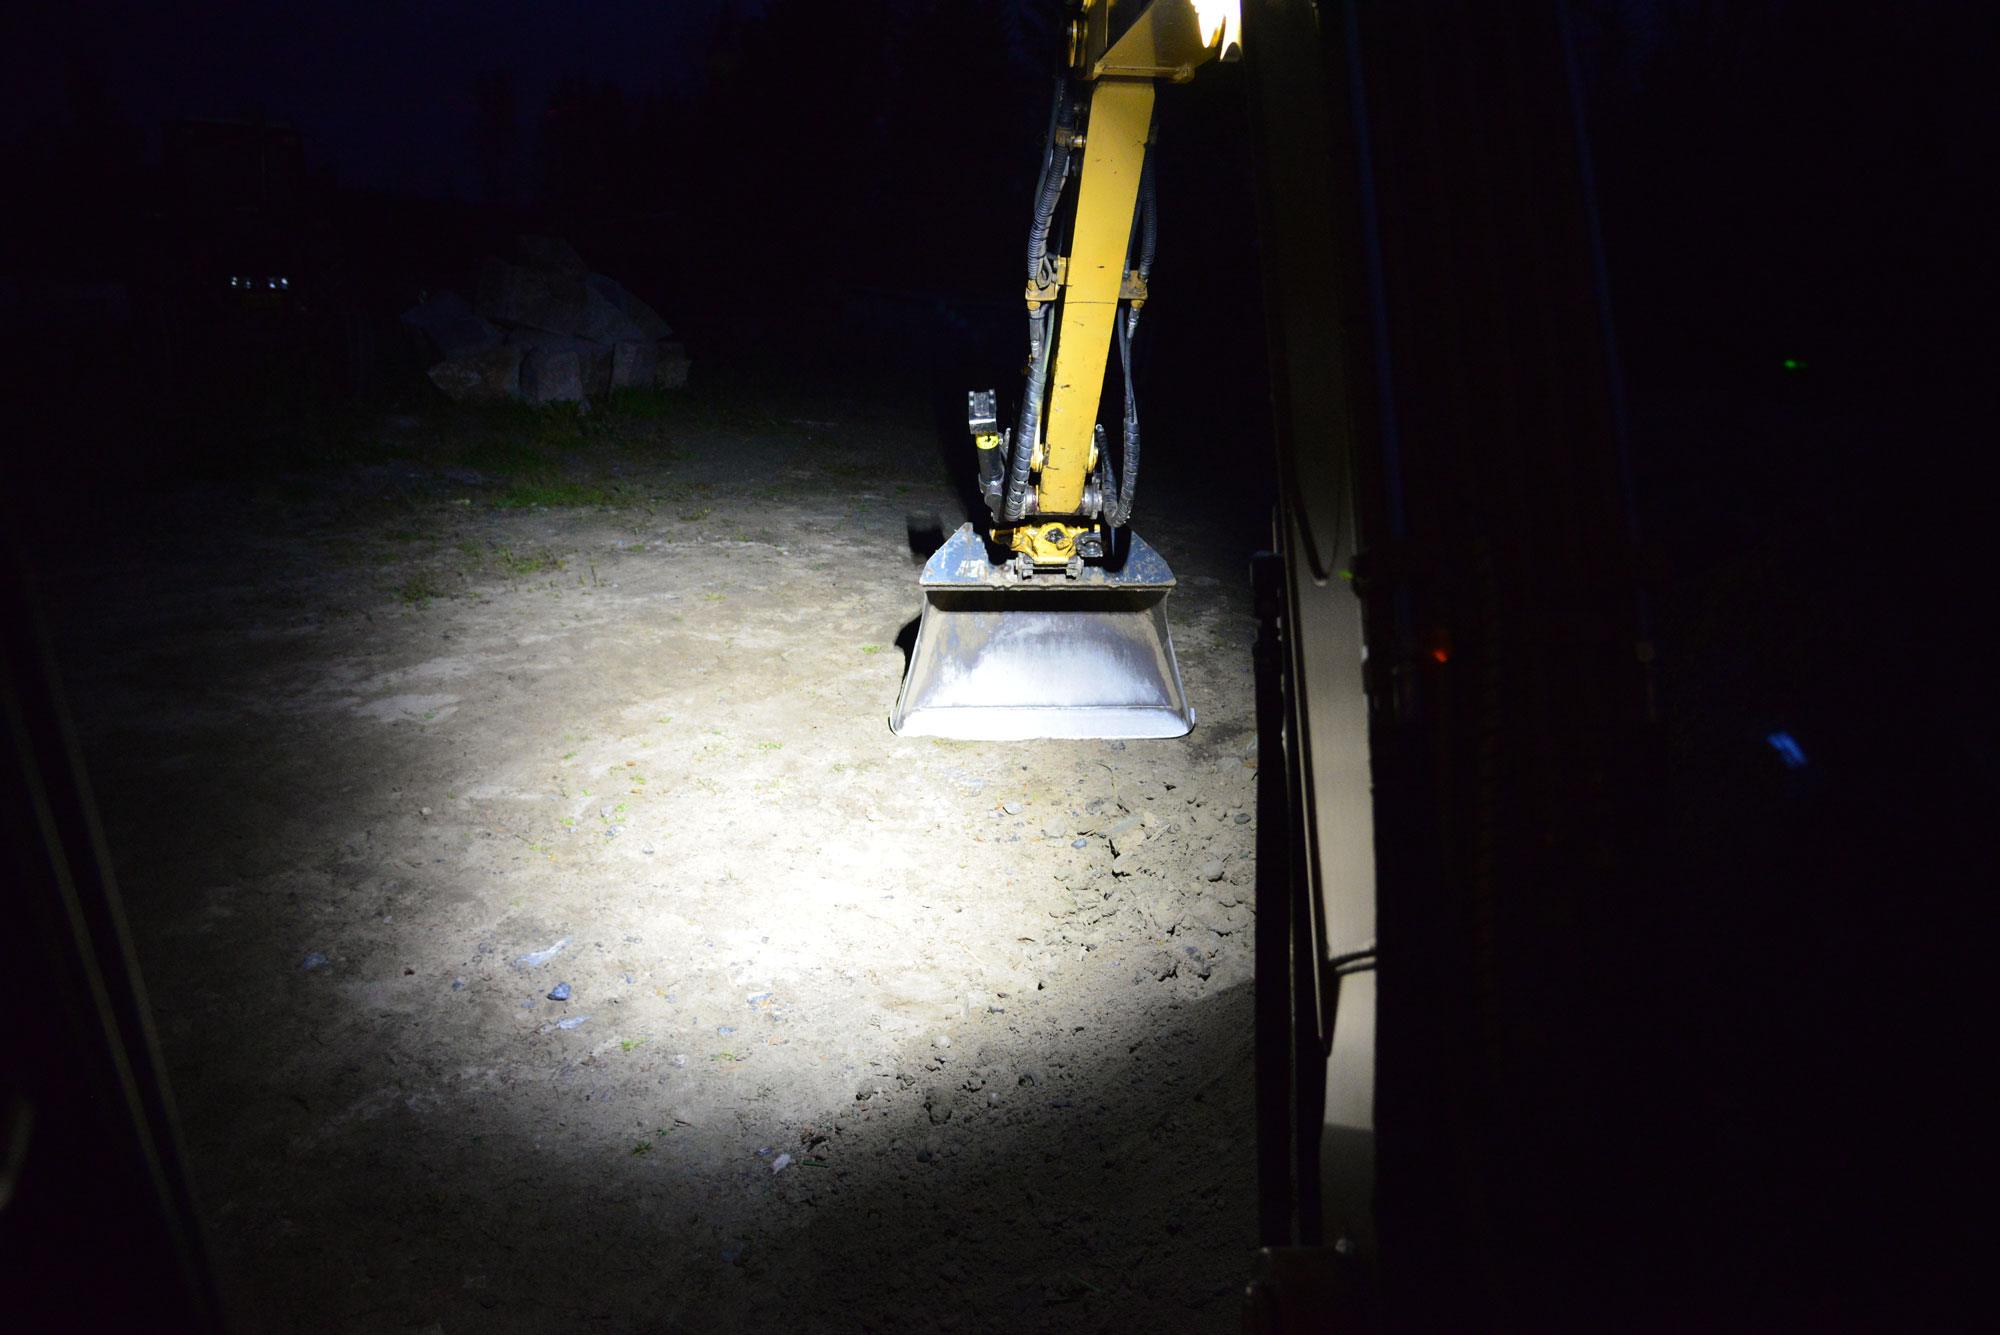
<point x="383" y="91"/>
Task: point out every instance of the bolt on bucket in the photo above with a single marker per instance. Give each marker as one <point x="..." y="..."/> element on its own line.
<point x="1001" y="658"/>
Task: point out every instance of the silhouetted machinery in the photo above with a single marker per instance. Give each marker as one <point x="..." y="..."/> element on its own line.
<point x="1454" y="666"/>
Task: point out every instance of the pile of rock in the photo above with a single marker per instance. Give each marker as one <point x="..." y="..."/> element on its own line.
<point x="547" y="330"/>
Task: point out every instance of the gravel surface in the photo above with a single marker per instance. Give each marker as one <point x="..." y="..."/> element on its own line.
<point x="543" y="925"/>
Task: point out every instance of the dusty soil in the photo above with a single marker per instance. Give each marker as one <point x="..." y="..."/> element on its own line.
<point x="861" y="1033"/>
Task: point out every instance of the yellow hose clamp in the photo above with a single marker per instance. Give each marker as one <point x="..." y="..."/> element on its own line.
<point x="1040" y="293"/>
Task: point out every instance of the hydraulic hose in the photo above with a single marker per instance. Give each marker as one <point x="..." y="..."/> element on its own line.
<point x="1048" y="189"/>
<point x="1048" y="193"/>
<point x="1119" y="488"/>
<point x="1029" y="429"/>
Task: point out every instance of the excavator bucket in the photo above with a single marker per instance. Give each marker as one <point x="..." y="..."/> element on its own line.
<point x="1000" y="658"/>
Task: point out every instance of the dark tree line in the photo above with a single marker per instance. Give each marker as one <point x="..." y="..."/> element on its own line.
<point x="890" y="145"/>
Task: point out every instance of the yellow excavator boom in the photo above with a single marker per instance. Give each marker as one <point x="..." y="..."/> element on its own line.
<point x="1057" y="626"/>
<point x="1121" y="114"/>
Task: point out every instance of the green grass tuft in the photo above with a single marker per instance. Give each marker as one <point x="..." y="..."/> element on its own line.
<point x="420" y="588"/>
<point x="529" y="560"/>
<point x="551" y="495"/>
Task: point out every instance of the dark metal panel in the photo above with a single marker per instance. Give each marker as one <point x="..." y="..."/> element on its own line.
<point x="1439" y="343"/>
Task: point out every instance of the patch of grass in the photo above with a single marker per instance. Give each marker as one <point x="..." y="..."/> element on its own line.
<point x="697" y="514"/>
<point x="627" y="1044"/>
<point x="553" y="495"/>
<point x="649" y="405"/>
<point x="420" y="588"/>
<point x="507" y="453"/>
<point x="528" y="560"/>
<point x="770" y="746"/>
<point x="557" y="426"/>
<point x="871" y="648"/>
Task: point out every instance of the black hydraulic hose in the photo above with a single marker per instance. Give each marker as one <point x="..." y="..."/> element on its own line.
<point x="1048" y="192"/>
<point x="1048" y="189"/>
<point x="1118" y="490"/>
<point x="1029" y="429"/>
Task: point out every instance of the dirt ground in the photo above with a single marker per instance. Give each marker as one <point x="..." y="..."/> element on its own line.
<point x="860" y="1033"/>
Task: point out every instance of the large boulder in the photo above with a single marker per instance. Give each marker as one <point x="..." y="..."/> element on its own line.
<point x="604" y="322"/>
<point x="551" y="376"/>
<point x="452" y="327"/>
<point x="671" y="370"/>
<point x="594" y="360"/>
<point x="552" y="254"/>
<point x="634" y="364"/>
<point x="638" y="312"/>
<point x="511" y="294"/>
<point x="492" y="375"/>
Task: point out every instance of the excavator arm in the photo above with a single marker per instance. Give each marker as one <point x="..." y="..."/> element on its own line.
<point x="1057" y="486"/>
<point x="1053" y="623"/>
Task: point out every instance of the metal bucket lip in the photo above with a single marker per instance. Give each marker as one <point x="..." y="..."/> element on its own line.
<point x="1017" y="723"/>
<point x="996" y="660"/>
